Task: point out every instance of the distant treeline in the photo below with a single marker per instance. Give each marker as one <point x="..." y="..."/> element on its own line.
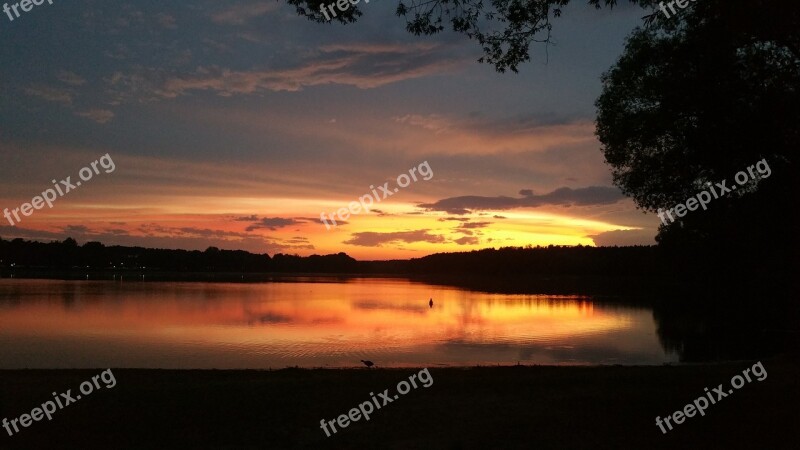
<point x="639" y="264"/>
<point x="552" y="260"/>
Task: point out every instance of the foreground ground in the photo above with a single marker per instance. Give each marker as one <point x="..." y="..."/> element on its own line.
<point x="480" y="408"/>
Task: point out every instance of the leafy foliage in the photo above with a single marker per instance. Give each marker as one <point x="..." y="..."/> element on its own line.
<point x="698" y="99"/>
<point x="505" y="29"/>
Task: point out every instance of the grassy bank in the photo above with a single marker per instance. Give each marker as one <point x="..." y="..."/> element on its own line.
<point x="495" y="407"/>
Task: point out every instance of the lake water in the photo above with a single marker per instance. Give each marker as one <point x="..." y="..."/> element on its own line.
<point x="310" y="322"/>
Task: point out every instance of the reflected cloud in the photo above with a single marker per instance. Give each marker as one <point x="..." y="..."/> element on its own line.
<point x="271" y="318"/>
<point x="308" y="324"/>
<point x="375" y="305"/>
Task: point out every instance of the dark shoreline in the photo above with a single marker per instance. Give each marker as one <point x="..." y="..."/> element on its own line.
<point x="479" y="407"/>
<point x="551" y="285"/>
<point x="613" y="286"/>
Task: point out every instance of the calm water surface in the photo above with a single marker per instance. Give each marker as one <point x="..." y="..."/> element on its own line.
<point x="310" y="323"/>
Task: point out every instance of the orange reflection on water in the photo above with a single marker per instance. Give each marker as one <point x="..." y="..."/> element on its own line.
<point x="309" y="323"/>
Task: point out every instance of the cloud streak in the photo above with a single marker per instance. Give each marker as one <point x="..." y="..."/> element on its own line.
<point x="376" y="239"/>
<point x="594" y="195"/>
<point x="50" y="94"/>
<point x="242" y="12"/>
<point x="269" y="223"/>
<point x="97" y="115"/>
<point x="362" y="66"/>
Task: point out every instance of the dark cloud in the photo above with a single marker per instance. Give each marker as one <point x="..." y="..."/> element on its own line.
<point x="473" y="225"/>
<point x="458" y="219"/>
<point x="467" y="240"/>
<point x="380" y="212"/>
<point x="594" y="195"/>
<point x="374" y="239"/>
<point x="272" y="223"/>
<point x="79" y="229"/>
<point x="269" y="223"/>
<point x="319" y="220"/>
<point x="206" y="232"/>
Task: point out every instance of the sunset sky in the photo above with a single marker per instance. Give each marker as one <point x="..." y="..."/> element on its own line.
<point x="236" y="124"/>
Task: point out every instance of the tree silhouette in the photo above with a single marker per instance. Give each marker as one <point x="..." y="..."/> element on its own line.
<point x="695" y="101"/>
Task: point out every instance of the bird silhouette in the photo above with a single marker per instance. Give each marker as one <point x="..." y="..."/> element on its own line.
<point x="430" y="303"/>
<point x="368" y="363"/>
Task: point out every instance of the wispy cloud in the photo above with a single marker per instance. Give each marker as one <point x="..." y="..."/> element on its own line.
<point x="98" y="115"/>
<point x="242" y="12"/>
<point x="166" y="21"/>
<point x="50" y="94"/>
<point x="432" y="122"/>
<point x="71" y="78"/>
<point x="362" y="66"/>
